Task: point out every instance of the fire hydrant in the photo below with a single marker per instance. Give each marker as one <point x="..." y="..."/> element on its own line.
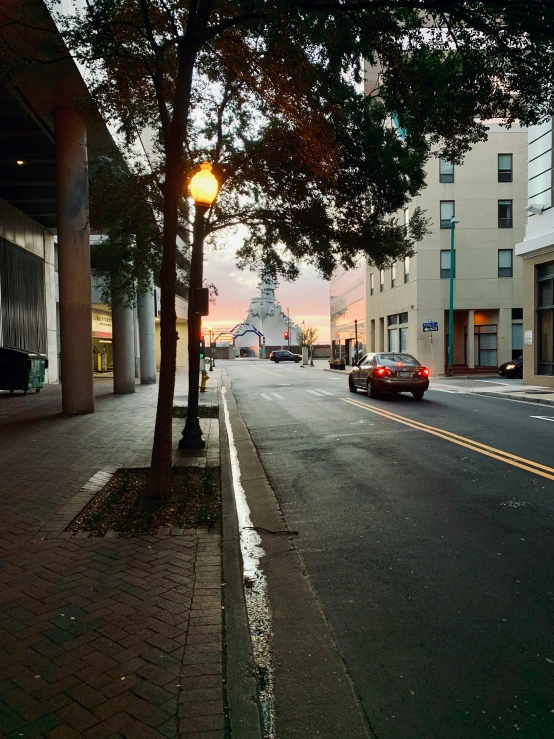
<point x="205" y="378"/>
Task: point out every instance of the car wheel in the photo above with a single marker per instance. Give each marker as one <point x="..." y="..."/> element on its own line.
<point x="276" y="361"/>
<point x="351" y="386"/>
<point x="296" y="361"/>
<point x="418" y="396"/>
<point x="371" y="392"/>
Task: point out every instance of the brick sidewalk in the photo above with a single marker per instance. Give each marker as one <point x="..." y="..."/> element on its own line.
<point x="99" y="637"/>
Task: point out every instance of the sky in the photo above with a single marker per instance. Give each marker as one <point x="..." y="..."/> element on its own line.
<point x="307" y="297"/>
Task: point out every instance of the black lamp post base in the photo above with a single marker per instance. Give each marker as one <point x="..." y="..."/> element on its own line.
<point x="192" y="441"/>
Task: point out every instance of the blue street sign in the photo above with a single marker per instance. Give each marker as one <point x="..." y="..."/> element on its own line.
<point x="431" y="326"/>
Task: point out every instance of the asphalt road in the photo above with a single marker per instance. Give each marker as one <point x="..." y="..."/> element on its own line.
<point x="432" y="557"/>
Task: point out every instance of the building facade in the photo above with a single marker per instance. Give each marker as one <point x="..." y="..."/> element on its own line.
<point x="348" y="312"/>
<point x="537" y="252"/>
<point x="487" y="193"/>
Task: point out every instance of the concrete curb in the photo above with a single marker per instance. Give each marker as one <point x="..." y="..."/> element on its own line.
<point x="515" y="396"/>
<point x="240" y="672"/>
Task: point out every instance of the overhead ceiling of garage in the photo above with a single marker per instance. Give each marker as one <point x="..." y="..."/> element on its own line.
<point x="29" y="186"/>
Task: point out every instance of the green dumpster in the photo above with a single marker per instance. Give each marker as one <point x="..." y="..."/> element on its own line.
<point x="21" y="370"/>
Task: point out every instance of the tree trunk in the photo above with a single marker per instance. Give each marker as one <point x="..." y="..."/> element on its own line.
<point x="160" y="473"/>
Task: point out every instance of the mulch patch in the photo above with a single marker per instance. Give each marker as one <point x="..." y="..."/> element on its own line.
<point x="204" y="411"/>
<point x="124" y="505"/>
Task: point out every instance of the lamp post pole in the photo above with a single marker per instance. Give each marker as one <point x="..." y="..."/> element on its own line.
<point x="192" y="433"/>
<point x="212" y="351"/>
<point x="355" y="340"/>
<point x="203" y="187"/>
<point x="453" y="222"/>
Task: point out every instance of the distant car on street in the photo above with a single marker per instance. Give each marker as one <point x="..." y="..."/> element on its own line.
<point x="391" y="372"/>
<point x="513" y="368"/>
<point x="284" y="355"/>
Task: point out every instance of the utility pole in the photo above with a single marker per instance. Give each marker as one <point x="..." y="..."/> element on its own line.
<point x="453" y="222"/>
<point x="355" y="358"/>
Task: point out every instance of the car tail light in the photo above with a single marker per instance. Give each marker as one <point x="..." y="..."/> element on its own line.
<point x="424" y="372"/>
<point x="382" y="371"/>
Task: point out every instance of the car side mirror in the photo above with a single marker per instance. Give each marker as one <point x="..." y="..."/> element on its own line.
<point x="354" y="364"/>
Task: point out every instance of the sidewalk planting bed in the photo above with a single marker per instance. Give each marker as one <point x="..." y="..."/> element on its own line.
<point x="204" y="411"/>
<point x="123" y="505"/>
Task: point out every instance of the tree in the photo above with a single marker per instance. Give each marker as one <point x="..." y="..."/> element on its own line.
<point x="307" y="337"/>
<point x="445" y="68"/>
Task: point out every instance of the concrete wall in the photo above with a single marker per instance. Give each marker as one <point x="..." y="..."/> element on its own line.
<point x="476" y="192"/>
<point x="23" y="231"/>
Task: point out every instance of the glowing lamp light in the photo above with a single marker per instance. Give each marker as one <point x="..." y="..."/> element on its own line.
<point x="20" y="162"/>
<point x="204" y="186"/>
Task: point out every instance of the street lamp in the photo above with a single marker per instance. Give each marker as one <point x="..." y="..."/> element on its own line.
<point x="203" y="188"/>
<point x="453" y="222"/>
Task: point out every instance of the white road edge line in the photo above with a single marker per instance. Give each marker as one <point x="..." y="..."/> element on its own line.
<point x="256" y="595"/>
<point x="325" y="391"/>
<point x="543" y="418"/>
<point x="314" y="392"/>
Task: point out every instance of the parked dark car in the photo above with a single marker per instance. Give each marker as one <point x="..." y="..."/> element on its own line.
<point x="284" y="356"/>
<point x="391" y="372"/>
<point x="513" y="368"/>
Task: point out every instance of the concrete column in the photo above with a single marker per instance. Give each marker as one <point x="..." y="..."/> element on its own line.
<point x="74" y="262"/>
<point x="136" y="342"/>
<point x="147" y="338"/>
<point x="504" y="335"/>
<point x="123" y="349"/>
<point x="470" y="339"/>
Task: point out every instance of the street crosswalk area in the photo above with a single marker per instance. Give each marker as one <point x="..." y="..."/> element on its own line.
<point x="270" y="396"/>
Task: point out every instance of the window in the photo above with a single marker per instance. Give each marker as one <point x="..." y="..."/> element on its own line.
<point x="446" y="171"/>
<point x="517" y="340"/>
<point x="485" y="345"/>
<point x="505" y="263"/>
<point x="393" y="339"/>
<point x="505" y="167"/>
<point x="403" y="339"/>
<point x="406" y="216"/>
<point x="392" y="320"/>
<point x="545" y="319"/>
<point x="447" y="213"/>
<point x="517" y="314"/>
<point x="372" y="283"/>
<point x="381" y="280"/>
<point x="403" y="318"/>
<point x="393" y="275"/>
<point x="445" y="264"/>
<point x="407" y="269"/>
<point x="504" y="214"/>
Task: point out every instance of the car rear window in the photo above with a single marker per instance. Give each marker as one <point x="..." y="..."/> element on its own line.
<point x="396" y="358"/>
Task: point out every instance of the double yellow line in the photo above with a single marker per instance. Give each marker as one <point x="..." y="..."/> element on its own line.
<point x="475" y="446"/>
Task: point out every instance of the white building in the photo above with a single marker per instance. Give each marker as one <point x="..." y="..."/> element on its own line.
<point x="487" y="194"/>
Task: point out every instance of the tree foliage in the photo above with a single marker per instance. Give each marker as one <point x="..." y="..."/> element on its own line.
<point x="307" y="337"/>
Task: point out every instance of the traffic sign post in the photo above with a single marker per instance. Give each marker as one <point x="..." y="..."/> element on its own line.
<point x="430" y="325"/>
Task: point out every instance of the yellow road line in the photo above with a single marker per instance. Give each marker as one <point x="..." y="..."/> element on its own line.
<point x="476" y="446"/>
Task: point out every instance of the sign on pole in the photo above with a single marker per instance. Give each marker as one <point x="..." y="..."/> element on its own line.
<point x="430" y="325"/>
